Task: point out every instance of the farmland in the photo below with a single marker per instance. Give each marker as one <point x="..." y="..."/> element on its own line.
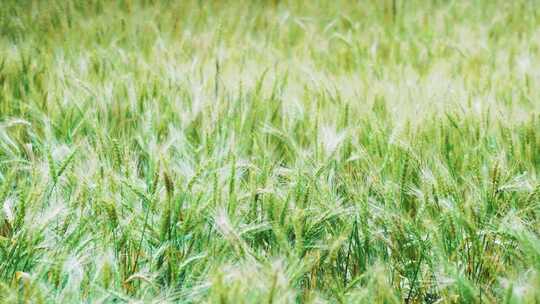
<point x="270" y="151"/>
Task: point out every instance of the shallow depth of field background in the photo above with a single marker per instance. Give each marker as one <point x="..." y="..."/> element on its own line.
<point x="270" y="151"/>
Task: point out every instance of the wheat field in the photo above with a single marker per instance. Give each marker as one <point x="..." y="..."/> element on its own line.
<point x="269" y="151"/>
